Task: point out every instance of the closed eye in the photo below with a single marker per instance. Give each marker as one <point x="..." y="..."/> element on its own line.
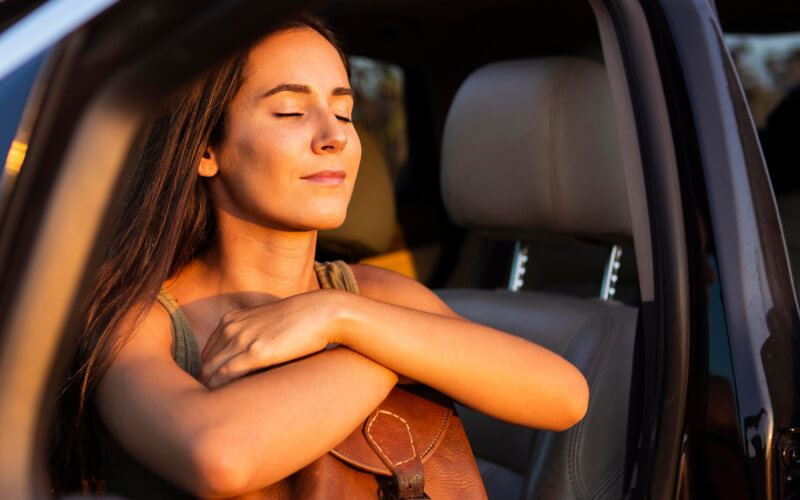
<point x="341" y="118"/>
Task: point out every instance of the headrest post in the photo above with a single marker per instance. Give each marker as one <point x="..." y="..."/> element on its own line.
<point x="515" y="281"/>
<point x="610" y="277"/>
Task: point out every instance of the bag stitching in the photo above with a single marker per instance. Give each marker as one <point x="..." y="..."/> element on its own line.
<point x="380" y="450"/>
<point x="438" y="435"/>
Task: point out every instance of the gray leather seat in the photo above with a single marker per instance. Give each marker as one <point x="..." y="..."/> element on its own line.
<point x="371" y="217"/>
<point x="530" y="151"/>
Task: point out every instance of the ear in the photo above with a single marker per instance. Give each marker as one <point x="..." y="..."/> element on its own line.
<point x="208" y="164"/>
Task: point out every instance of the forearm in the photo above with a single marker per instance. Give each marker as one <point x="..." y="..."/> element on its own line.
<point x="246" y="434"/>
<point x="491" y="371"/>
<point x="297" y="412"/>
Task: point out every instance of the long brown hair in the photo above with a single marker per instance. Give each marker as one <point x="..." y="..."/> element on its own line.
<point x="167" y="221"/>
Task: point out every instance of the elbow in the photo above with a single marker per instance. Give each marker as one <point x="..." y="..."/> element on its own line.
<point x="218" y="469"/>
<point x="576" y="402"/>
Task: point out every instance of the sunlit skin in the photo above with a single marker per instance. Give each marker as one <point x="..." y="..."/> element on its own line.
<point x="285" y="170"/>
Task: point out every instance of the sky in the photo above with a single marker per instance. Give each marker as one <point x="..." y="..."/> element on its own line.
<point x="762" y="46"/>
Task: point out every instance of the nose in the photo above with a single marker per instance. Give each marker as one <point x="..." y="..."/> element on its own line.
<point x="331" y="136"/>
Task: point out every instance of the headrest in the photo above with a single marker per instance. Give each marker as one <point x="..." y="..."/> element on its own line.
<point x="530" y="148"/>
<point x="371" y="218"/>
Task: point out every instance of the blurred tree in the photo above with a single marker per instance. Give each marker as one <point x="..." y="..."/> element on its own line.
<point x="380" y="107"/>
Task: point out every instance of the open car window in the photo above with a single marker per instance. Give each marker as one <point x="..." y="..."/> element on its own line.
<point x="15" y="90"/>
<point x="769" y="70"/>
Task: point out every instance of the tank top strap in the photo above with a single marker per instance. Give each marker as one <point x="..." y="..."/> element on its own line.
<point x="336" y="274"/>
<point x="187" y="355"/>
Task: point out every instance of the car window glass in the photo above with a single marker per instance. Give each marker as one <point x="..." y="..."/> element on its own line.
<point x="14" y="91"/>
<point x="372" y="233"/>
<point x="380" y="109"/>
<point x="768" y="66"/>
<point x="719" y="360"/>
<point x="769" y="69"/>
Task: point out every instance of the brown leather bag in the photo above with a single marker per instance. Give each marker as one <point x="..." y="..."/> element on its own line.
<point x="412" y="446"/>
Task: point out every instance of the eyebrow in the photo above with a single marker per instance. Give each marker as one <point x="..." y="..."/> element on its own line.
<point x="305" y="89"/>
<point x="343" y="91"/>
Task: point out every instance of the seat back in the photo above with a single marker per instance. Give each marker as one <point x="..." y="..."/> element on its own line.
<point x="371" y="233"/>
<point x="371" y="216"/>
<point x="530" y="151"/>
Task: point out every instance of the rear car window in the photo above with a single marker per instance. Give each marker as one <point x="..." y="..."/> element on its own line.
<point x="14" y="91"/>
<point x="380" y="108"/>
<point x="769" y="70"/>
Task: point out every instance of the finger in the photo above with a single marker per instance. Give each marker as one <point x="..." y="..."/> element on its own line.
<point x="241" y="342"/>
<point x="234" y="368"/>
<point x="216" y="361"/>
<point x="213" y="344"/>
<point x="225" y="331"/>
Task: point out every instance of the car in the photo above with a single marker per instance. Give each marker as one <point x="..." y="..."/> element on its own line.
<point x="585" y="174"/>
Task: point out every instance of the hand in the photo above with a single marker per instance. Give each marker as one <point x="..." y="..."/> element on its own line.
<point x="251" y="339"/>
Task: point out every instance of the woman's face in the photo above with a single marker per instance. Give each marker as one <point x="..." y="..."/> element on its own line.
<point x="290" y="155"/>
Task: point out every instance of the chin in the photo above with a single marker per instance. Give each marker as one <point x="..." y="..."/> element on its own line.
<point x="329" y="224"/>
<point x="320" y="222"/>
<point x="325" y="218"/>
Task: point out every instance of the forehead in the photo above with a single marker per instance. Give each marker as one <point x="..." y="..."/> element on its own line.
<point x="297" y="55"/>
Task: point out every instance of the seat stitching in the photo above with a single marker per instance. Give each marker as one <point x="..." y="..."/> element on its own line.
<point x="577" y="328"/>
<point x="577" y="436"/>
<point x="593" y="373"/>
<point x="597" y="373"/>
<point x="555" y="100"/>
<point x="615" y="474"/>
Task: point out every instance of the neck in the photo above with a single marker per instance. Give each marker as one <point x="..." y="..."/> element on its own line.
<point x="249" y="261"/>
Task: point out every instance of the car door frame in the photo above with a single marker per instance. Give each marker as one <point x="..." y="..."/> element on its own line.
<point x="755" y="277"/>
<point x="108" y="77"/>
<point x="658" y="407"/>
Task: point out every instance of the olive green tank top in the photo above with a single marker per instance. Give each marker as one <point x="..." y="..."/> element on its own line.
<point x="120" y="472"/>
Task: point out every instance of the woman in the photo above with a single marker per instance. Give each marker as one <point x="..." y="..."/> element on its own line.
<point x="233" y="185"/>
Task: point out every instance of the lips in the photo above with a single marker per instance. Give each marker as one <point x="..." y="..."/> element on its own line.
<point x="329" y="177"/>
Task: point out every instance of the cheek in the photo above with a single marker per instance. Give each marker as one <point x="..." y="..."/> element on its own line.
<point x="241" y="151"/>
<point x="247" y="173"/>
<point x="260" y="155"/>
<point x="260" y="166"/>
<point x="353" y="154"/>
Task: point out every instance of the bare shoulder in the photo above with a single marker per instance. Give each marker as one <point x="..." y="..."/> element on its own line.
<point x="388" y="286"/>
<point x="146" y="327"/>
<point x="144" y="363"/>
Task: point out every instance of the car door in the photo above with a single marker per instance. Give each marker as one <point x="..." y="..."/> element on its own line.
<point x="708" y="196"/>
<point x="760" y="312"/>
<point x="110" y="68"/>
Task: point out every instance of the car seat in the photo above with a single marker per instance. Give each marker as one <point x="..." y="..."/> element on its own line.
<point x="371" y="220"/>
<point x="530" y="149"/>
<point x="371" y="233"/>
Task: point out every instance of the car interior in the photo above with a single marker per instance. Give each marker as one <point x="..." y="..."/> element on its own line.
<point x="529" y="170"/>
<point x="513" y="172"/>
<point x="509" y="201"/>
<point x="492" y="172"/>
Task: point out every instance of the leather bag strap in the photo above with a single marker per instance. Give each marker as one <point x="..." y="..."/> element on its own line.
<point x="389" y="435"/>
